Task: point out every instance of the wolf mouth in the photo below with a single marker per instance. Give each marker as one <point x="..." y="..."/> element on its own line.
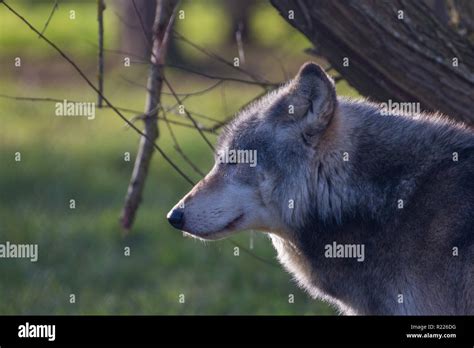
<point x="231" y="225"/>
<point x="222" y="232"/>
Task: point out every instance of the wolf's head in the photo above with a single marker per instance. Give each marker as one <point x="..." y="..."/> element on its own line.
<point x="263" y="163"/>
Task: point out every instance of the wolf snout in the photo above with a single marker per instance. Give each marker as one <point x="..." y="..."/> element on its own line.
<point x="176" y="218"/>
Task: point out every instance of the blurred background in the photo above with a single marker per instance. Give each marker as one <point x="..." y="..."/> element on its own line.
<point x="81" y="250"/>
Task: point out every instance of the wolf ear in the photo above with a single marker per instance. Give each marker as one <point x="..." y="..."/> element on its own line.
<point x="313" y="95"/>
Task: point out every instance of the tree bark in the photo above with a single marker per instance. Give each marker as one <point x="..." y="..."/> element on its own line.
<point x="161" y="29"/>
<point x="406" y="60"/>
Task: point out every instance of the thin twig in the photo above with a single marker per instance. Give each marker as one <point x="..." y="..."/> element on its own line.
<point x="142" y="60"/>
<point x="263" y="82"/>
<point x="178" y="148"/>
<point x="229" y="118"/>
<point x="86" y="79"/>
<point x="142" y="25"/>
<point x="188" y="95"/>
<point x="117" y="111"/>
<point x="261" y="259"/>
<point x="173" y="111"/>
<point x="123" y="109"/>
<point x="53" y="10"/>
<point x="226" y="78"/>
<point x="188" y="114"/>
<point x="194" y="113"/>
<point x="183" y="155"/>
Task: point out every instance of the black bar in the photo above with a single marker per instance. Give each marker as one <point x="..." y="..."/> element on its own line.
<point x="263" y="330"/>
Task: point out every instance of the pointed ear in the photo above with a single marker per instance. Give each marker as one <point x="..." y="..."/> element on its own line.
<point x="313" y="95"/>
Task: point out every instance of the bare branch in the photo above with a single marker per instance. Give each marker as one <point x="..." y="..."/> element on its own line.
<point x="86" y="79"/>
<point x="187" y="95"/>
<point x="255" y="256"/>
<point x="178" y="148"/>
<point x="143" y="60"/>
<point x="265" y="85"/>
<point x="188" y="114"/>
<point x="149" y="116"/>
<point x="164" y="18"/>
<point x="139" y="115"/>
<point x="229" y="118"/>
<point x="253" y="76"/>
<point x="53" y="10"/>
<point x="140" y="20"/>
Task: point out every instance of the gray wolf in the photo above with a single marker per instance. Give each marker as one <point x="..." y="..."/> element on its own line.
<point x="337" y="178"/>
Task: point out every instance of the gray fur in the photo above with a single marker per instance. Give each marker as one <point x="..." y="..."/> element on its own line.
<point x="408" y="251"/>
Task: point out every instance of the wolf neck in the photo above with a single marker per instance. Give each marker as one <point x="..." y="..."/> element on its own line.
<point x="354" y="202"/>
<point x="333" y="192"/>
<point x="366" y="164"/>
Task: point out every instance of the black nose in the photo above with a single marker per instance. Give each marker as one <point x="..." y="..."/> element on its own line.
<point x="175" y="218"/>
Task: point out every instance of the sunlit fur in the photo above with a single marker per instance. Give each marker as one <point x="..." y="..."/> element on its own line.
<point x="346" y="167"/>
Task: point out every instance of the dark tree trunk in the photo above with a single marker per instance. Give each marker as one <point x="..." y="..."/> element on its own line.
<point x="409" y="59"/>
<point x="133" y="38"/>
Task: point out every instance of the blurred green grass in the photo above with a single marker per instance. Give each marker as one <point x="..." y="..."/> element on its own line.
<point x="76" y="35"/>
<point x="81" y="251"/>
